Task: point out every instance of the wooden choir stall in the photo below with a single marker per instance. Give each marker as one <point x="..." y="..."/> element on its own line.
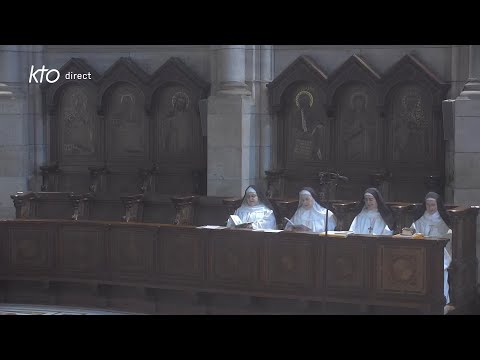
<point x="120" y="219"/>
<point x="149" y="267"/>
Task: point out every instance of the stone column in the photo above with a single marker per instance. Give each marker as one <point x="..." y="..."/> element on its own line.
<point x="231" y="162"/>
<point x="466" y="144"/>
<point x="38" y="125"/>
<point x="263" y="112"/>
<point x="231" y="70"/>
<point x="13" y="130"/>
<point x="471" y="89"/>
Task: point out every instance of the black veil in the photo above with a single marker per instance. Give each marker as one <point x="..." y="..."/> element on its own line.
<point x="440" y="206"/>
<point x="317" y="199"/>
<point x="383" y="209"/>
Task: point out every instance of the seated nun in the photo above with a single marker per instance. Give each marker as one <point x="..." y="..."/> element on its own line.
<point x="311" y="214"/>
<point x="255" y="209"/>
<point x="433" y="220"/>
<point x="374" y="218"/>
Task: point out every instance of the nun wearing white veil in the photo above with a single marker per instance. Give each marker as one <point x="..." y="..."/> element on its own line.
<point x="374" y="216"/>
<point x="311" y="214"/>
<point x="255" y="209"/>
<point x="433" y="220"/>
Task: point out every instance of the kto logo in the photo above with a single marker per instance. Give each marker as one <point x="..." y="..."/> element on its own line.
<point x="51" y="75"/>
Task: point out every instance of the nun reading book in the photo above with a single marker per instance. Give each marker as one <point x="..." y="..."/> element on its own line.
<point x="374" y="216"/>
<point x="311" y="214"/>
<point x="256" y="212"/>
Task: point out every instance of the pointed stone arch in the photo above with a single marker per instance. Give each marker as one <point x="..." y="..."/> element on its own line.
<point x="52" y="91"/>
<point x="124" y="70"/>
<point x="175" y="71"/>
<point x="410" y="69"/>
<point x="355" y="69"/>
<point x="358" y="132"/>
<point x="53" y="97"/>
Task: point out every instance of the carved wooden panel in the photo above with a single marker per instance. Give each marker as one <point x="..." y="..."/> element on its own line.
<point x="178" y="122"/>
<point x="77" y="123"/>
<point x="30" y="249"/>
<point x="60" y="209"/>
<point x="307" y="125"/>
<point x="411" y="131"/>
<point x="236" y="265"/>
<point x="132" y="251"/>
<point x="234" y="261"/>
<point x="345" y="264"/>
<point x="81" y="249"/>
<point x="401" y="269"/>
<point x="289" y="263"/>
<point x="127" y="127"/>
<point x="107" y="210"/>
<point x="127" y="119"/>
<point x="357" y="117"/>
<point x="389" y="124"/>
<point x="4" y="247"/>
<point x="122" y="181"/>
<point x="169" y="182"/>
<point x="180" y="255"/>
<point x="77" y="182"/>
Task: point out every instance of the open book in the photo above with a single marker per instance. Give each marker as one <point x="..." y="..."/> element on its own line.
<point x="239" y="223"/>
<point x="292" y="227"/>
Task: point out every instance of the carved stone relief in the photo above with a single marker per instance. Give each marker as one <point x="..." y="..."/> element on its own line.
<point x="410" y="125"/>
<point x="126" y="121"/>
<point x="308" y="123"/>
<point x="176" y="120"/>
<point x="78" y="122"/>
<point x="359" y="124"/>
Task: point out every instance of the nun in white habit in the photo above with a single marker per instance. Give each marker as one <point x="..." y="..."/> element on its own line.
<point x="255" y="209"/>
<point x="311" y="214"/>
<point x="375" y="218"/>
<point x="433" y="220"/>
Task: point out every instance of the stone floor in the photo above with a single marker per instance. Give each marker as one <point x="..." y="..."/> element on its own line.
<point x="21" y="309"/>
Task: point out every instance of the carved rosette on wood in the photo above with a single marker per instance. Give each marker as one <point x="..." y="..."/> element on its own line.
<point x="24" y="204"/>
<point x="133" y="208"/>
<point x="185" y="209"/>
